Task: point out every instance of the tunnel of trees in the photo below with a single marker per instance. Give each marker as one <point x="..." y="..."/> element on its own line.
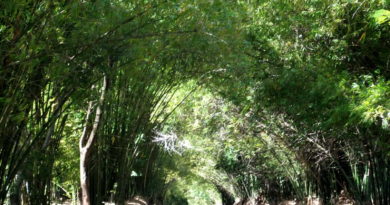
<point x="194" y="101"/>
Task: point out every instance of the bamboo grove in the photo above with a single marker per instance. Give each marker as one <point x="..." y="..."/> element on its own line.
<point x="194" y="101"/>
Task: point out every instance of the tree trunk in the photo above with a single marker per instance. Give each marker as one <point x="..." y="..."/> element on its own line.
<point x="85" y="199"/>
<point x="15" y="196"/>
<point x="86" y="142"/>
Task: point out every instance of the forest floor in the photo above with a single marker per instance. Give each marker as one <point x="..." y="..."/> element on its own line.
<point x="287" y="202"/>
<point x="342" y="200"/>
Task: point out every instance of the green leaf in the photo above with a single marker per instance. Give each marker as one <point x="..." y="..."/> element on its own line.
<point x="381" y="16"/>
<point x="18" y="117"/>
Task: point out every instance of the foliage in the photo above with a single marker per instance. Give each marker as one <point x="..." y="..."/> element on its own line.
<point x="207" y="101"/>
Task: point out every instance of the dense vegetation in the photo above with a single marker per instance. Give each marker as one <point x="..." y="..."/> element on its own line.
<point x="194" y="102"/>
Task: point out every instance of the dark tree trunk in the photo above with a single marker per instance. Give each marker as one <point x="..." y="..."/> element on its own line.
<point x="15" y="197"/>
